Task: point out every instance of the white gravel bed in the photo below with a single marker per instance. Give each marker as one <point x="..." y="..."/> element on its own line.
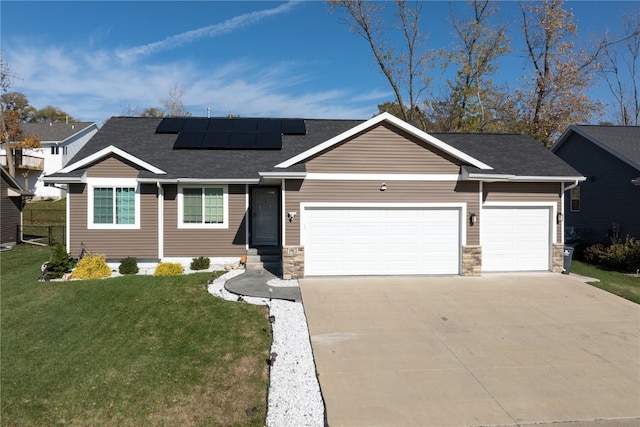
<point x="294" y="393"/>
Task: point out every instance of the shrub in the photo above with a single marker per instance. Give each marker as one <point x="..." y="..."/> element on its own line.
<point x="128" y="265"/>
<point x="617" y="256"/>
<point x="168" y="269"/>
<point x="92" y="267"/>
<point x="200" y="263"/>
<point x="59" y="264"/>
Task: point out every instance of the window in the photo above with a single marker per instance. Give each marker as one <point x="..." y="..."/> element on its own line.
<point x="114" y="205"/>
<point x="202" y="207"/>
<point x="575" y="199"/>
<point x="55" y="149"/>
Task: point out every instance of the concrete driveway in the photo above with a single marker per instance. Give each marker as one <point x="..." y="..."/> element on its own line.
<point x="502" y="349"/>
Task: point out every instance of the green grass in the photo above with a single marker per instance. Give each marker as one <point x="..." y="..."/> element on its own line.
<point x="621" y="284"/>
<point x="45" y="212"/>
<point x="128" y="351"/>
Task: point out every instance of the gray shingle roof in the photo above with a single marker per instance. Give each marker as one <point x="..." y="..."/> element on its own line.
<point x="54" y="131"/>
<point x="622" y="141"/>
<point x="507" y="154"/>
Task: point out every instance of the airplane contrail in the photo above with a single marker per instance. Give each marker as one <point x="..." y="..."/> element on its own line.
<point x="214" y="30"/>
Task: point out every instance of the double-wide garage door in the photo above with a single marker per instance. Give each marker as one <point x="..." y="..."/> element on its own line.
<point x="515" y="238"/>
<point x="381" y="240"/>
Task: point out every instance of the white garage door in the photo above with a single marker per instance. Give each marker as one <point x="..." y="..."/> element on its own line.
<point x="381" y="241"/>
<point x="515" y="238"/>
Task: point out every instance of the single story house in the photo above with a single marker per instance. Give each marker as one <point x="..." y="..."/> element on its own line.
<point x="12" y="197"/>
<point x="606" y="206"/>
<point x="336" y="197"/>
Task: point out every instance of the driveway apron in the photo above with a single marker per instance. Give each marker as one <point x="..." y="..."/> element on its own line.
<point x="502" y="349"/>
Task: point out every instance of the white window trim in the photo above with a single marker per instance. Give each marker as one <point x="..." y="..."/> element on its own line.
<point x="93" y="183"/>
<point x="225" y="207"/>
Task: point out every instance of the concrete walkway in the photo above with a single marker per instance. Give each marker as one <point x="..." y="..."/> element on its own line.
<point x="503" y="349"/>
<point x="254" y="283"/>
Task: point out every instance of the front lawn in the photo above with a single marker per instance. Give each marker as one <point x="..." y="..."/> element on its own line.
<point x="127" y="351"/>
<point x="624" y="285"/>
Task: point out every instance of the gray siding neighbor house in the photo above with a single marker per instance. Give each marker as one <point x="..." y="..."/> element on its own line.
<point x="329" y="197"/>
<point x="607" y="205"/>
<point x="11" y="202"/>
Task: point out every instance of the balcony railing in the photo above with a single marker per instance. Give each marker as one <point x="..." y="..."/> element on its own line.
<point x="24" y="162"/>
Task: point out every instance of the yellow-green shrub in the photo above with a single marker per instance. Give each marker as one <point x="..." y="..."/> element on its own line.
<point x="168" y="269"/>
<point x="92" y="267"/>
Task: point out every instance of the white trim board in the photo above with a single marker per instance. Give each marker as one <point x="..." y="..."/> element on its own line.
<point x="106" y="152"/>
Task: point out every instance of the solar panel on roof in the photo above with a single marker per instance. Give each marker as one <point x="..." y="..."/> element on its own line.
<point x="171" y="125"/>
<point x="268" y="141"/>
<point x="270" y="125"/>
<point x="220" y="125"/>
<point x="293" y="127"/>
<point x="243" y="140"/>
<point x="245" y="125"/>
<point x="216" y="140"/>
<point x="189" y="140"/>
<point x="196" y="123"/>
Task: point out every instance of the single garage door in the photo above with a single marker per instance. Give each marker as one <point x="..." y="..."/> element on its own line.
<point x="515" y="238"/>
<point x="381" y="241"/>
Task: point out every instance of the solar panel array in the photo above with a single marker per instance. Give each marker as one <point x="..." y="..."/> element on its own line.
<point x="230" y="133"/>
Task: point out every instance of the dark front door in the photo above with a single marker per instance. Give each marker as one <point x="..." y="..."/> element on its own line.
<point x="264" y="216"/>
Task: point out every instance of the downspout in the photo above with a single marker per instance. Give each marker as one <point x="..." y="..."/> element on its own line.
<point x="160" y="220"/>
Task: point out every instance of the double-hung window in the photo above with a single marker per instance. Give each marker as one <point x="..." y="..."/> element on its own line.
<point x="113" y="205"/>
<point x="575" y="199"/>
<point x="203" y="207"/>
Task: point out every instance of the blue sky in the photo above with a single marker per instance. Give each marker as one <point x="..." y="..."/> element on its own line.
<point x="282" y="59"/>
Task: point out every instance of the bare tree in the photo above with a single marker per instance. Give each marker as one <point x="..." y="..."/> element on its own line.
<point x="619" y="62"/>
<point x="554" y="95"/>
<point x="472" y="98"/>
<point x="405" y="67"/>
<point x="173" y="103"/>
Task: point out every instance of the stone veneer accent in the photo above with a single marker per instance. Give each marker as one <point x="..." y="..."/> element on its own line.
<point x="557" y="262"/>
<point x="292" y="262"/>
<point x="471" y="260"/>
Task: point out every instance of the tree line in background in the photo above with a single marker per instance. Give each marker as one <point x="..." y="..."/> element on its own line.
<point x="549" y="96"/>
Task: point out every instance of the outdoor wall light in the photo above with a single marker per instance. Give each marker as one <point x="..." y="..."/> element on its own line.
<point x="473" y="219"/>
<point x="383" y="187"/>
<point x="559" y="218"/>
<point x="291" y="215"/>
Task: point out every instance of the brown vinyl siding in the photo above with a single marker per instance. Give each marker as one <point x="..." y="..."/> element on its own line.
<point x="205" y="242"/>
<point x="113" y="167"/>
<point x="550" y="192"/>
<point x="298" y="192"/>
<point x="383" y="150"/>
<point x="115" y="244"/>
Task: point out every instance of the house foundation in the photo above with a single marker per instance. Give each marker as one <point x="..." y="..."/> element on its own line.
<point x="557" y="261"/>
<point x="292" y="262"/>
<point x="472" y="260"/>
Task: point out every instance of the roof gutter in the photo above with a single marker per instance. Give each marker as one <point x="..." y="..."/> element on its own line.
<point x="574" y="185"/>
<point x="65" y="179"/>
<point x="283" y="175"/>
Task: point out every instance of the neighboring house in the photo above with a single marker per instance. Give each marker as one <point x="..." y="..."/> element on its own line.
<point x="336" y="197"/>
<point x="59" y="142"/>
<point x="607" y="205"/>
<point x="11" y="202"/>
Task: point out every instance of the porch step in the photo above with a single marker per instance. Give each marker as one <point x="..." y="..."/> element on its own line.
<point x="265" y="258"/>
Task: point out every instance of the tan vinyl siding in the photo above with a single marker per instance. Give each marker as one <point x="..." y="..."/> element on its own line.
<point x="522" y="192"/>
<point x="115" y="244"/>
<point x="205" y="242"/>
<point x="298" y="192"/>
<point x="113" y="167"/>
<point x="383" y="149"/>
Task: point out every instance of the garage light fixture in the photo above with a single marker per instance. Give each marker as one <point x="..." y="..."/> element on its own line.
<point x="383" y="187"/>
<point x="559" y="217"/>
<point x="473" y="219"/>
